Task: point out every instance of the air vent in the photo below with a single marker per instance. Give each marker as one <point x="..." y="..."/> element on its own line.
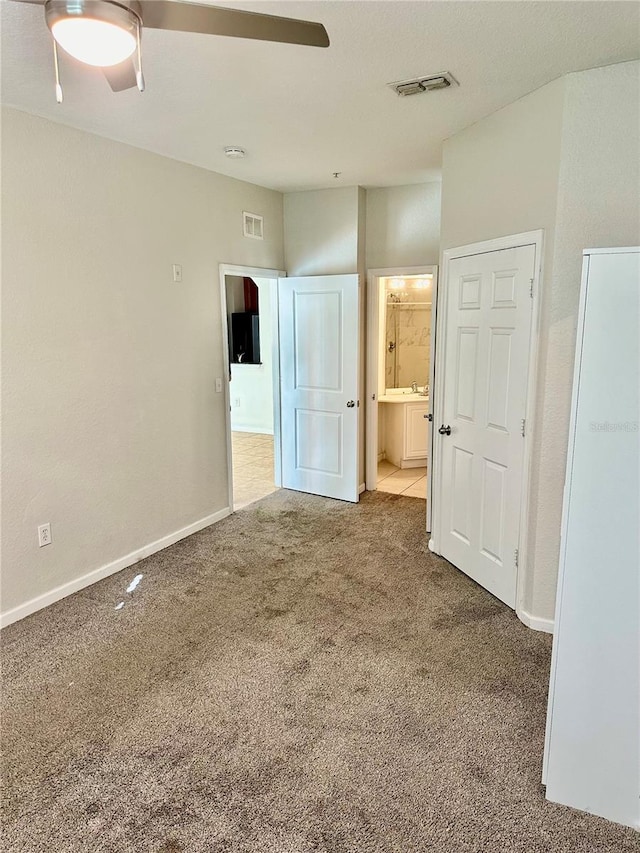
<point x="423" y="84"/>
<point x="252" y="225"/>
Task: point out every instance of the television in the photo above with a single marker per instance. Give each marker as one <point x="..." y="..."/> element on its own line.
<point x="245" y="337"/>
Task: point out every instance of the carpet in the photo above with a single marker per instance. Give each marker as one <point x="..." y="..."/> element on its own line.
<point x="302" y="677"/>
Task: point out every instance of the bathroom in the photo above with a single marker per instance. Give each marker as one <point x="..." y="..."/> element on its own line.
<point x="403" y="393"/>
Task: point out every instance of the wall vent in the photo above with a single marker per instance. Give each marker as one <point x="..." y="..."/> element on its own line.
<point x="252" y="225"/>
<point x="423" y="84"/>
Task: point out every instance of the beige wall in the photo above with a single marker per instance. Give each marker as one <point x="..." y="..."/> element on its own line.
<point x="598" y="205"/>
<point x="564" y="159"/>
<point x="403" y="226"/>
<point x="322" y="231"/>
<point x="325" y="232"/>
<point x="112" y="429"/>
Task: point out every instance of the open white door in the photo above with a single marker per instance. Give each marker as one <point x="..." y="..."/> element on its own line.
<point x="487" y="332"/>
<point x="319" y="332"/>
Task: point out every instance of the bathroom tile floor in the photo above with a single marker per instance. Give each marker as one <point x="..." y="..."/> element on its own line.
<point x="252" y="467"/>
<point x="410" y="482"/>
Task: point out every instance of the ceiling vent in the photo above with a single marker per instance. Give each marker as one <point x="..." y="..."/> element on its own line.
<point x="423" y="84"/>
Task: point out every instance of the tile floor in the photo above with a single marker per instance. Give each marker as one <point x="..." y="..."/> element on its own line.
<point x="411" y="482"/>
<point x="252" y="467"/>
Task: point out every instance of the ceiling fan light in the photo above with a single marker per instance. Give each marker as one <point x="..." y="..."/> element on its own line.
<point x="93" y="41"/>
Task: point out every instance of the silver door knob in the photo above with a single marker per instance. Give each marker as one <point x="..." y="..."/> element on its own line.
<point x="444" y="430"/>
<point x="350" y="404"/>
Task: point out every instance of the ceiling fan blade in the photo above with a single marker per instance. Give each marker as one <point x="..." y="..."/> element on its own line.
<point x="196" y="18"/>
<point x="121" y="76"/>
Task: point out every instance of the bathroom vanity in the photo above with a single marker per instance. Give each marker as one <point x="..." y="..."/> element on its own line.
<point x="404" y="427"/>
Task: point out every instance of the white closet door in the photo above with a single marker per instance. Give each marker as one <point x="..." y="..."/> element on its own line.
<point x="592" y="757"/>
<point x="488" y="331"/>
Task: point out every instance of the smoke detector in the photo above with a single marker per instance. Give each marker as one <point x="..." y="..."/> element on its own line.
<point x="235" y="152"/>
<point x="423" y="84"/>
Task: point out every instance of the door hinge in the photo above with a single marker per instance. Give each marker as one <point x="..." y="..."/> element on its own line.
<point x="531" y="288"/>
<point x="516" y="557"/>
<point x="522" y="427"/>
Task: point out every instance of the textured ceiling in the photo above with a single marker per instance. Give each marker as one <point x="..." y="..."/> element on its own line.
<point x="304" y="113"/>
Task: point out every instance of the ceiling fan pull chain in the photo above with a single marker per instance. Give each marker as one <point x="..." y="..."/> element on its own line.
<point x="57" y="71"/>
<point x="139" y="74"/>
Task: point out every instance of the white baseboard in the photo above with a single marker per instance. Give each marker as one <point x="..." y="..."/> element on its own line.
<point x="77" y="584"/>
<point x="249" y="428"/>
<point x="535" y="622"/>
<point x="361" y="488"/>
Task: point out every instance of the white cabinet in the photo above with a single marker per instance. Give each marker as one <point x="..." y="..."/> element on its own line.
<point x="592" y="749"/>
<point x="415" y="431"/>
<point x="406" y="433"/>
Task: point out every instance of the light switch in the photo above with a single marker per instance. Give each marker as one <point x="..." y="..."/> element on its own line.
<point x="177" y="272"/>
<point x="218" y="385"/>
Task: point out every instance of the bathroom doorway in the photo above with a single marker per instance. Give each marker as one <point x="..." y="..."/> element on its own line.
<point x="401" y="316"/>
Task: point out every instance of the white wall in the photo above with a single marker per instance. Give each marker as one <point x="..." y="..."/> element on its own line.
<point x="112" y="428"/>
<point x="252" y="384"/>
<point x="403" y="226"/>
<point x="564" y="159"/>
<point x="321" y="231"/>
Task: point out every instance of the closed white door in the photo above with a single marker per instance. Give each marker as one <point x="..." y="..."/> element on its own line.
<point x="319" y="384"/>
<point x="592" y="750"/>
<point x="488" y="329"/>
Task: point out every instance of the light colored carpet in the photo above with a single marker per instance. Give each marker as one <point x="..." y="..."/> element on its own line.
<point x="304" y="677"/>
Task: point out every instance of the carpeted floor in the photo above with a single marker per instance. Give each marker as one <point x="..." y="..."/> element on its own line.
<point x="303" y="676"/>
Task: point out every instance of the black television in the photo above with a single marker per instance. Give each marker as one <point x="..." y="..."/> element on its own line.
<point x="245" y="337"/>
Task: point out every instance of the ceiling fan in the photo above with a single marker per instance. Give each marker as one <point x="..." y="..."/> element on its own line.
<point x="107" y="33"/>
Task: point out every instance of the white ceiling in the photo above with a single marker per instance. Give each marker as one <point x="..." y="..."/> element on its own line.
<point x="304" y="113"/>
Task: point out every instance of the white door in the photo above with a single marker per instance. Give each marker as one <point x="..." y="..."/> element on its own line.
<point x="487" y="334"/>
<point x="592" y="748"/>
<point x="319" y="384"/>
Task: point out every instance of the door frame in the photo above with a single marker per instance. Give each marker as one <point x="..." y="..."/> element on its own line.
<point x="374" y="306"/>
<point x="273" y="275"/>
<point x="512" y="241"/>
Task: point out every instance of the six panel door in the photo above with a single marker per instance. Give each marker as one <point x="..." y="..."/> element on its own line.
<point x="488" y="329"/>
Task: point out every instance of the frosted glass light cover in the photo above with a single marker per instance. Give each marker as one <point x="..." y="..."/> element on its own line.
<point x="94" y="42"/>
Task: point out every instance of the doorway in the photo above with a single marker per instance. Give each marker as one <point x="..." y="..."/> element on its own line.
<point x="249" y="301"/>
<point x="401" y="317"/>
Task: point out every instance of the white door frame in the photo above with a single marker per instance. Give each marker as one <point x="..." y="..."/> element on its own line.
<point x="512" y="241"/>
<point x="274" y="275"/>
<point x="374" y="305"/>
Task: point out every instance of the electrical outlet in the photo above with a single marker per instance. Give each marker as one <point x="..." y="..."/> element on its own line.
<point x="177" y="272"/>
<point x="236" y="403"/>
<point x="218" y="385"/>
<point x="44" y="534"/>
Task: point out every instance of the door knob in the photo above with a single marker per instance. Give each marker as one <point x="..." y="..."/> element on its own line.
<point x="350" y="404"/>
<point x="445" y="430"/>
<point x="428" y="417"/>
